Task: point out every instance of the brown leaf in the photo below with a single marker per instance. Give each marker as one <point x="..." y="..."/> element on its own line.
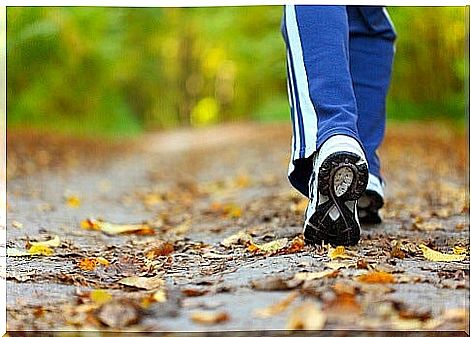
<point x="274" y="283"/>
<point x="209" y="317"/>
<point x="194" y="292"/>
<point x="397" y="251"/>
<point x="160" y="248"/>
<point x="115" y="229"/>
<point x="306" y="316"/>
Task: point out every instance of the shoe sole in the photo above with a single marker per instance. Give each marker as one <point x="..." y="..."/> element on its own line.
<point x="342" y="177"/>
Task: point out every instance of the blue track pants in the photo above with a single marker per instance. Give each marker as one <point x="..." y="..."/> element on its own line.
<point x="339" y="61"/>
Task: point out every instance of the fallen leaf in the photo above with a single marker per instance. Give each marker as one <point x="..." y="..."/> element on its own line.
<point x="193" y="292"/>
<point x="339" y="265"/>
<point x="160" y="248"/>
<point x="433" y="255"/>
<point x="90" y="263"/>
<point x="338" y="252"/>
<point x="316" y="275"/>
<point x="274" y="283"/>
<point x="268" y="248"/>
<point x="100" y="296"/>
<point x="278" y="307"/>
<point x="118" y="314"/>
<point x="376" y="277"/>
<point x="40" y="249"/>
<point x="73" y="201"/>
<point x="241" y="238"/>
<point x="458" y="250"/>
<point x="306" y="316"/>
<point x="147" y="283"/>
<point x="55" y="242"/>
<point x="296" y="245"/>
<point x="159" y="296"/>
<point x="209" y="317"/>
<point x="114" y="229"/>
<point x="397" y="250"/>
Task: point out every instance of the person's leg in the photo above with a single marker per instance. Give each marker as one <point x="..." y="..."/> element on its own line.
<point x="371" y="46"/>
<point x="320" y="86"/>
<point x="328" y="163"/>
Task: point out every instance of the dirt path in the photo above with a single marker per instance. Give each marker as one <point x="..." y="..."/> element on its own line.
<point x="193" y="190"/>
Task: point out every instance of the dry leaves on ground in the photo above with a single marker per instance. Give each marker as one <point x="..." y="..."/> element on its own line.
<point x="114" y="229"/>
<point x="159" y="248"/>
<point x="90" y="263"/>
<point x="376" y="277"/>
<point x="338" y="252"/>
<point x="316" y="275"/>
<point x="433" y="255"/>
<point x="148" y="283"/>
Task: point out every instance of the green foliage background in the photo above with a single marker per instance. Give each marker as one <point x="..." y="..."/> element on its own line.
<point x="118" y="71"/>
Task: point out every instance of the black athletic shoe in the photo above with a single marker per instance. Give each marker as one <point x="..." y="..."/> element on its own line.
<point x="368" y="208"/>
<point x="339" y="178"/>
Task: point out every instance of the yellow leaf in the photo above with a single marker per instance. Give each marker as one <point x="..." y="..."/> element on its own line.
<point x="316" y="275"/>
<point x="40" y="249"/>
<point x="269" y="247"/>
<point x="55" y="242"/>
<point x="103" y="261"/>
<point x="147" y="283"/>
<point x="458" y="250"/>
<point x="276" y="308"/>
<point x="209" y="317"/>
<point x="159" y="296"/>
<point x="73" y="201"/>
<point x="376" y="277"/>
<point x="100" y="296"/>
<point x="306" y="316"/>
<point x="433" y="255"/>
<point x="338" y="253"/>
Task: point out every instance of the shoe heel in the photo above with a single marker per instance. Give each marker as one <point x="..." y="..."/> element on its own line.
<point x="344" y="176"/>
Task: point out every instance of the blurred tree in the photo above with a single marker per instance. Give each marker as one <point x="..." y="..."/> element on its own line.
<point x="119" y="70"/>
